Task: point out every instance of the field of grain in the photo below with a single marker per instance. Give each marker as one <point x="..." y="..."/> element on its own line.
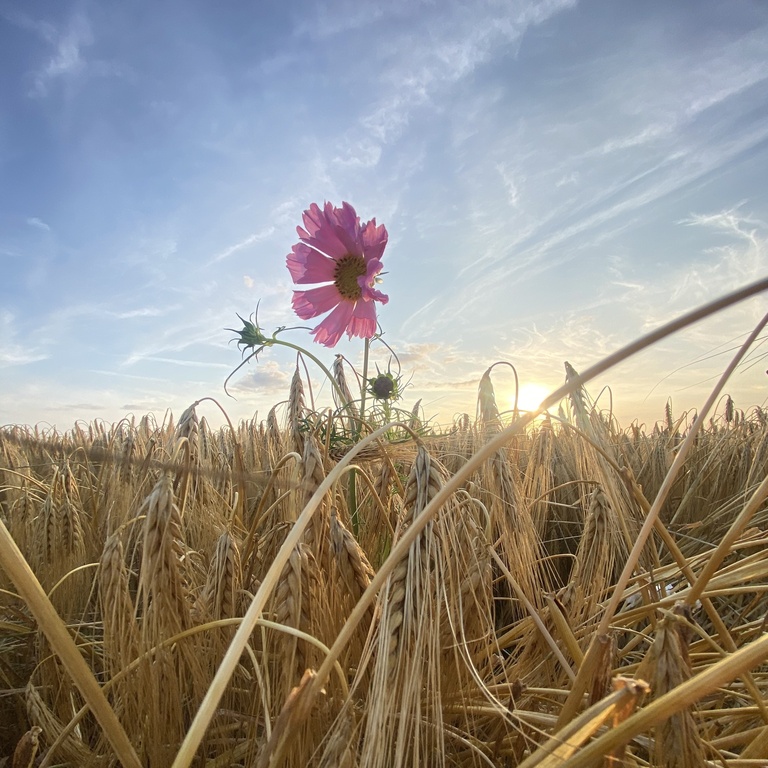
<point x="573" y="593"/>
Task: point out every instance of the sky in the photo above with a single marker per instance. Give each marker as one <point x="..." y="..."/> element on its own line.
<point x="557" y="177"/>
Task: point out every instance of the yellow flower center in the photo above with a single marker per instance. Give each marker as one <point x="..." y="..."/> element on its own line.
<point x="348" y="269"/>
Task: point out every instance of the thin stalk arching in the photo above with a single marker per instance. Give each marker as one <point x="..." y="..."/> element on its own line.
<point x="498" y="441"/>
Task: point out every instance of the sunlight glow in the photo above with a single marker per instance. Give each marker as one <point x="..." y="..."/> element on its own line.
<point x="530" y="396"/>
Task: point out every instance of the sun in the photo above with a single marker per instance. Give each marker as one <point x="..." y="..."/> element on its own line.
<point x="530" y="396"/>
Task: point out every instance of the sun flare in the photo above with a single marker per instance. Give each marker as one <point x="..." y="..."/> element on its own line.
<point x="529" y="397"/>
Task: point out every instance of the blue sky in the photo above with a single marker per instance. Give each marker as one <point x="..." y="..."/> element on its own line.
<point x="557" y="178"/>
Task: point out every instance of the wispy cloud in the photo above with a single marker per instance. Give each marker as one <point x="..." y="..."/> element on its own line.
<point x="141" y="312"/>
<point x="255" y="237"/>
<point x="43" y="29"/>
<point x="423" y="63"/>
<point x="530" y="160"/>
<point x="13" y="352"/>
<point x="67" y="59"/>
<point x="67" y="43"/>
<point x="184" y="363"/>
<point x="175" y="338"/>
<point x="38" y="224"/>
<point x="335" y="17"/>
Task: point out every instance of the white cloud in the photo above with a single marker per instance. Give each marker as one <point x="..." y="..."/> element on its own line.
<point x="67" y="59"/>
<point x="38" y="224"/>
<point x="264" y="375"/>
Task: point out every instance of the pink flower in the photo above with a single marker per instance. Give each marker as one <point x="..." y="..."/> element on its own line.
<point x="336" y="249"/>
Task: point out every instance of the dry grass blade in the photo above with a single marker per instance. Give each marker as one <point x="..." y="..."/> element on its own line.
<point x="447" y="654"/>
<point x="217" y="687"/>
<point x="574" y="698"/>
<point x="51" y="624"/>
<point x="293" y="714"/>
<point x="727" y="542"/>
<point x="70" y="748"/>
<point x="407" y="665"/>
<point x="555" y="752"/>
<point x="679" y="698"/>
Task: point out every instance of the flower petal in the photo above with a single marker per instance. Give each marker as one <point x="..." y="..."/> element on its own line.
<point x="347" y="228"/>
<point x="331" y="230"/>
<point x="315" y="301"/>
<point x="372" y="268"/>
<point x="330" y="330"/>
<point x="371" y="294"/>
<point x="306" y="265"/>
<point x="374" y="240"/>
<point x="368" y="280"/>
<point x="363" y="320"/>
<point x="313" y="219"/>
<point x="329" y="234"/>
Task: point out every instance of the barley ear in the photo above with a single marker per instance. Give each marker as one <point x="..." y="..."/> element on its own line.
<point x="346" y="405"/>
<point x="678" y="743"/>
<point x="296" y="413"/>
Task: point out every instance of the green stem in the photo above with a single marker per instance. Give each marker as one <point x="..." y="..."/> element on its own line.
<point x="365" y="381"/>
<point x="354" y="514"/>
<point x="315" y="361"/>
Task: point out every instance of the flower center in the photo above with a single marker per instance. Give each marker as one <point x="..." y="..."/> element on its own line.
<point x="348" y="269"/>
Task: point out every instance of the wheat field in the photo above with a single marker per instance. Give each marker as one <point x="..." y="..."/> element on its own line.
<point x="578" y="594"/>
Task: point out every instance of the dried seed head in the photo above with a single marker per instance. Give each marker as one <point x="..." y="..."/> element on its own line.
<point x="678" y="743"/>
<point x="26" y="749"/>
<point x="296" y="411"/>
<point x="313" y="474"/>
<point x="189" y="428"/>
<point x="346" y="404"/>
<point x="356" y="572"/>
<point x="161" y="584"/>
<point x="489" y="414"/>
<point x="218" y="599"/>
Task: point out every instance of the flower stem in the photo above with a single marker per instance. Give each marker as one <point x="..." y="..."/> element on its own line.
<point x="354" y="515"/>
<point x="315" y="360"/>
<point x="365" y="381"/>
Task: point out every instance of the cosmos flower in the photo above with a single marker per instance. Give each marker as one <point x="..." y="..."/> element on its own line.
<point x="336" y="249"/>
